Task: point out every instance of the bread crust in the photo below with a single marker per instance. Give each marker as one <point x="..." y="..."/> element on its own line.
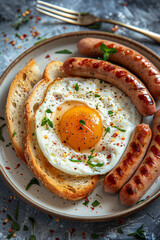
<point x="62" y="184"/>
<point x="18" y="93"/>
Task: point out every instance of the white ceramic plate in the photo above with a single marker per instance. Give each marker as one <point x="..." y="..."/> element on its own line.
<point x="18" y="178"/>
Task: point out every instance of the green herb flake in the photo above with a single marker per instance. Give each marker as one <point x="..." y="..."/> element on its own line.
<point x="32" y="237"/>
<point x="10" y="235"/>
<point x="95" y="26"/>
<point x="119" y="230"/>
<point x="65" y="51"/>
<point x="110" y="112"/>
<point x="50" y="123"/>
<point x="9" y="217"/>
<point x="1" y="137"/>
<point x="107" y="51"/>
<point x="82" y="122"/>
<point x="76" y="87"/>
<point x="94" y="236"/>
<point x="139" y="233"/>
<point x="33" y="134"/>
<point x="9" y="144"/>
<point x="94" y="165"/>
<point x="122" y="130"/>
<point x="48" y="111"/>
<point x="95" y="203"/>
<point x="16" y="211"/>
<point x="91" y="155"/>
<point x="86" y="202"/>
<point x="17" y="35"/>
<point x="107" y="130"/>
<point x="97" y="106"/>
<point x="32" y="221"/>
<point x="32" y="181"/>
<point x="75" y="160"/>
<point x="15" y="226"/>
<point x="44" y="121"/>
<point x="25" y="228"/>
<point x="14" y="133"/>
<point x="40" y="41"/>
<point x="139" y="201"/>
<point x="96" y="95"/>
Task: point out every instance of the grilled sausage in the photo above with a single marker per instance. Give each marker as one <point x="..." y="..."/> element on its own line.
<point x="126" y="57"/>
<point x="147" y="172"/>
<point x="130" y="160"/>
<point x="116" y="75"/>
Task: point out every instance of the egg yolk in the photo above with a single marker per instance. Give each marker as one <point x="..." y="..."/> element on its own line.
<point x="80" y="127"/>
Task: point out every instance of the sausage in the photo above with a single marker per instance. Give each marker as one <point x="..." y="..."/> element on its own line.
<point x="130" y="160"/>
<point x="126" y="57"/>
<point x="116" y="75"/>
<point x="147" y="172"/>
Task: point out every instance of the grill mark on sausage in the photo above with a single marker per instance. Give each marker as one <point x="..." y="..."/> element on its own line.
<point x="85" y="61"/>
<point x="108" y="68"/>
<point x="119" y="49"/>
<point x="146" y="98"/>
<point x="137" y="180"/>
<point x="141" y="137"/>
<point x="128" y="52"/>
<point x="120" y="73"/>
<point x="71" y="60"/>
<point x="152" y="72"/>
<point x="135" y="147"/>
<point x="111" y="178"/>
<point x="149" y="162"/>
<point x="129" y="189"/>
<point x="137" y="58"/>
<point x="155" y="151"/>
<point x="119" y="171"/>
<point x="129" y="158"/>
<point x="97" y="64"/>
<point x="129" y="78"/>
<point x="157" y="139"/>
<point x="144" y="171"/>
<point x="125" y="164"/>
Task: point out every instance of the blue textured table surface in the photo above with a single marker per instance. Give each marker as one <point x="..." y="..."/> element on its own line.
<point x="144" y="14"/>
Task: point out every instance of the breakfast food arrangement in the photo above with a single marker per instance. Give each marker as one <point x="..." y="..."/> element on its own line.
<point x="82" y="120"/>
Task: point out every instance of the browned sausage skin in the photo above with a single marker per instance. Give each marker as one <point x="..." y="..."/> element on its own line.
<point x="147" y="172"/>
<point x="130" y="160"/>
<point x="116" y="75"/>
<point x="126" y="57"/>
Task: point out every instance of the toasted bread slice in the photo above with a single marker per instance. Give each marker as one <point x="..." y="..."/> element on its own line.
<point x="19" y="90"/>
<point x="52" y="71"/>
<point x="62" y="184"/>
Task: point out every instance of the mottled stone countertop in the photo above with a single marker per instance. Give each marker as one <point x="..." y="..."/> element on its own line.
<point x="144" y="14"/>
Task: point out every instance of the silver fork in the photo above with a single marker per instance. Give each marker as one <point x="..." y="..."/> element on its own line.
<point x="85" y="19"/>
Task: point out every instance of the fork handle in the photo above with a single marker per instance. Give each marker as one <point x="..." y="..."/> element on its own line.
<point x="154" y="36"/>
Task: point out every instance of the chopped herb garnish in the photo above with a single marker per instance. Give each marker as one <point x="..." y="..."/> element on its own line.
<point x="40" y="41"/>
<point x="14" y="133"/>
<point x="1" y="118"/>
<point x="9" y="144"/>
<point x="95" y="26"/>
<point x="10" y="235"/>
<point x="110" y="112"/>
<point x="9" y="217"/>
<point x="84" y="13"/>
<point x="15" y="226"/>
<point x="101" y="81"/>
<point x="142" y="200"/>
<point x="96" y="95"/>
<point x="1" y="137"/>
<point x="107" y="130"/>
<point x="82" y="122"/>
<point x="46" y="120"/>
<point x="22" y="20"/>
<point x="76" y="87"/>
<point x="106" y="51"/>
<point x="122" y="130"/>
<point x="139" y="233"/>
<point x="32" y="181"/>
<point x="65" y="51"/>
<point x="74" y="160"/>
<point x="17" y="35"/>
<point x="94" y="165"/>
<point x="95" y="203"/>
<point x="48" y="111"/>
<point x="89" y="92"/>
<point x="86" y="202"/>
<point x="97" y="106"/>
<point x="16" y="212"/>
<point x="32" y="221"/>
<point x="91" y="155"/>
<point x="119" y="230"/>
<point x="33" y="134"/>
<point x="25" y="228"/>
<point x="94" y="236"/>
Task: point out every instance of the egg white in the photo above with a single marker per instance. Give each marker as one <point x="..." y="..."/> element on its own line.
<point x="109" y="149"/>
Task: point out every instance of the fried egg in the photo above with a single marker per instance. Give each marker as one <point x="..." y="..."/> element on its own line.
<point x="84" y="125"/>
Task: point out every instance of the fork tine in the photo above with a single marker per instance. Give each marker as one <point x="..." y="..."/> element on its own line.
<point x="57" y="16"/>
<point x="57" y="7"/>
<point x="57" y="12"/>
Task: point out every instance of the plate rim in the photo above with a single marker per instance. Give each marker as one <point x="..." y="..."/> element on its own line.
<point x="40" y="207"/>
